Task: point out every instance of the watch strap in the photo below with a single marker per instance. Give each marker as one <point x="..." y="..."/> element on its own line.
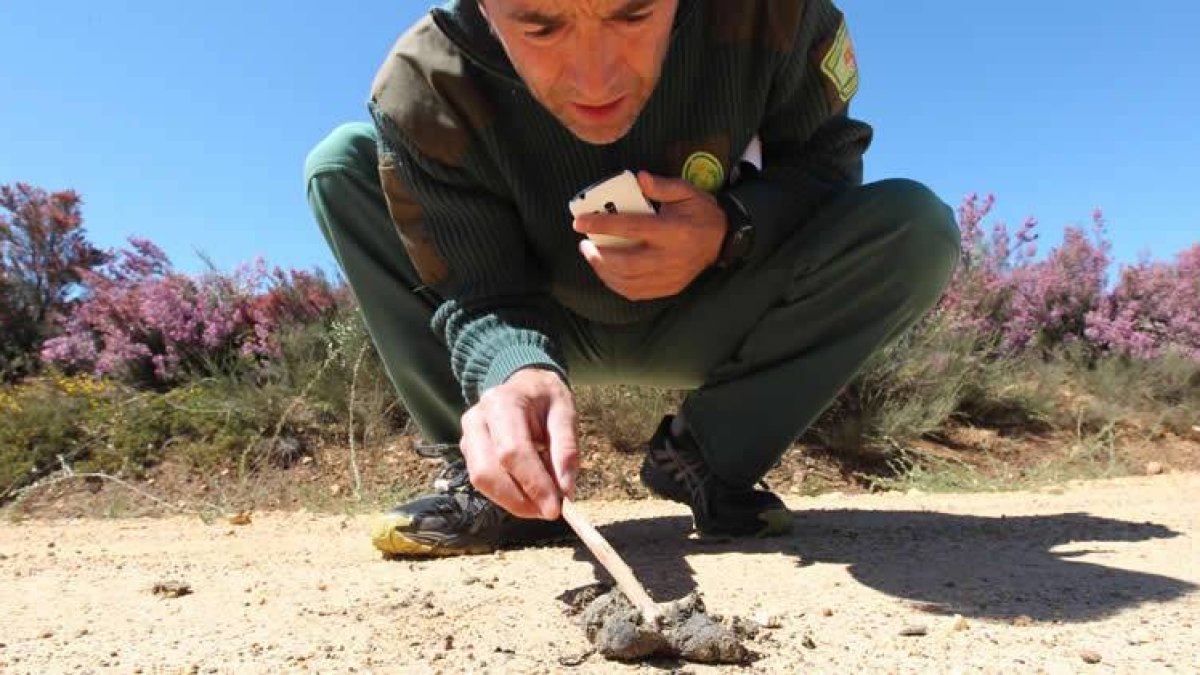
<point x="734" y="247"/>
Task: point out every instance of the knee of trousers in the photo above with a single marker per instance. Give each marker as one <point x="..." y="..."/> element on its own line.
<point x="928" y="245"/>
<point x="350" y="146"/>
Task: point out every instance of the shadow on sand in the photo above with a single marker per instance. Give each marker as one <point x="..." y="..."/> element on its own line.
<point x="985" y="567"/>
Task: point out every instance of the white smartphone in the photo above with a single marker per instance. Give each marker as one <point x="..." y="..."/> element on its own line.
<point x="616" y="194"/>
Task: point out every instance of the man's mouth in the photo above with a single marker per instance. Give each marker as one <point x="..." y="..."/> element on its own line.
<point x="599" y="113"/>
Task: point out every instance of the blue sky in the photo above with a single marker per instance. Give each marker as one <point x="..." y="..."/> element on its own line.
<point x="188" y="122"/>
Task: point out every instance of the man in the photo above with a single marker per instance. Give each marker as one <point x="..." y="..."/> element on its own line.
<point x="760" y="292"/>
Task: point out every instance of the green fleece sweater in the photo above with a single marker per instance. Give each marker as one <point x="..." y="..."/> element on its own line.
<point x="477" y="174"/>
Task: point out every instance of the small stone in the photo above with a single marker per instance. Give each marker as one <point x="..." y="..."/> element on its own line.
<point x="771" y="621"/>
<point x="1154" y="469"/>
<point x="960" y="623"/>
<point x="1022" y="621"/>
<point x="448" y="643"/>
<point x="470" y="580"/>
<point x="322" y="586"/>
<point x="826" y="612"/>
<point x="239" y="518"/>
<point x="808" y="642"/>
<point x="171" y="589"/>
<point x="914" y="630"/>
<point x="46" y="634"/>
<point x="575" y="660"/>
<point x="1089" y="656"/>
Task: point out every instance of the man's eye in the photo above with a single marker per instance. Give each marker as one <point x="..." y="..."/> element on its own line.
<point x="542" y="32"/>
<point x="634" y="19"/>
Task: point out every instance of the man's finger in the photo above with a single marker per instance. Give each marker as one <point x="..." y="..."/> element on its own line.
<point x="484" y="468"/>
<point x="620" y="261"/>
<point x="664" y="189"/>
<point x="628" y="225"/>
<point x="498" y="486"/>
<point x="564" y="445"/>
<point x="515" y="450"/>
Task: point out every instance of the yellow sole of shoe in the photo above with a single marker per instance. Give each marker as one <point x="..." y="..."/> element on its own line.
<point x="777" y="522"/>
<point x="387" y="536"/>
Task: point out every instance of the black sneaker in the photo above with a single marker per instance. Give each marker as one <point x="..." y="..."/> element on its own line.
<point x="457" y="520"/>
<point x="674" y="469"/>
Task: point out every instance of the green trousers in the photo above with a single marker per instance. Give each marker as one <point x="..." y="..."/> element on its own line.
<point x="761" y="350"/>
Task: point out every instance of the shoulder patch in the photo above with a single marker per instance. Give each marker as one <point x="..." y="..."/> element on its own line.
<point x="425" y="90"/>
<point x="839" y="64"/>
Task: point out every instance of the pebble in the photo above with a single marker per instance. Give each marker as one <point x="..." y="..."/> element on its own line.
<point x="808" y="642"/>
<point x="1089" y="656"/>
<point x="826" y="612"/>
<point x="770" y="621"/>
<point x="1154" y="469"/>
<point x="171" y="589"/>
<point x="914" y="630"/>
<point x="575" y="660"/>
<point x="960" y="622"/>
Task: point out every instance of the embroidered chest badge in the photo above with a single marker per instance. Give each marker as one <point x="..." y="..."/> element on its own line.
<point x="704" y="170"/>
<point x="840" y="64"/>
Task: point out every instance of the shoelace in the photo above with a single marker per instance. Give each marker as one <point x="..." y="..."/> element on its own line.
<point x="690" y="470"/>
<point x="454" y="479"/>
<point x="453" y="476"/>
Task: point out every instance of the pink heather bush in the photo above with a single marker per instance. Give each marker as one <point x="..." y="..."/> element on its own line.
<point x="1017" y="303"/>
<point x="143" y="321"/>
<point x="980" y="295"/>
<point x="1051" y="299"/>
<point x="1155" y="306"/>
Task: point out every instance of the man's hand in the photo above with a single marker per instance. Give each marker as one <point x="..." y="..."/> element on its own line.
<point x="678" y="243"/>
<point x="504" y="442"/>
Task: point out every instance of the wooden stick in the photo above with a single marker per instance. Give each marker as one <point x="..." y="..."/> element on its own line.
<point x="610" y="560"/>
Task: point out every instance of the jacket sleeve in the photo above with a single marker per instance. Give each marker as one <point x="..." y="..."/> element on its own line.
<point x="468" y="245"/>
<point x="812" y="149"/>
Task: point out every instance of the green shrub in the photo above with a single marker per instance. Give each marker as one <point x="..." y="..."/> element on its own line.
<point x="40" y="424"/>
<point x="625" y="415"/>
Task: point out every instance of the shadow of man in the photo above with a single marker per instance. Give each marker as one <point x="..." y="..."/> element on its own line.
<point x="987" y="567"/>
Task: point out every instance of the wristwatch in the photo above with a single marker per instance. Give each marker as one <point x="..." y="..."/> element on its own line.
<point x="739" y="236"/>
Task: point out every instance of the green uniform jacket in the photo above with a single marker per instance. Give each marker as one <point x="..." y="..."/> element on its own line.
<point x="478" y="175"/>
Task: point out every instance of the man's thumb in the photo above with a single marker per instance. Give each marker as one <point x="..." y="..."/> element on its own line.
<point x="664" y="189"/>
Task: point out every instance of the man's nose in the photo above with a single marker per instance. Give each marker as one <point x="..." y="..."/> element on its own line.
<point x="595" y="64"/>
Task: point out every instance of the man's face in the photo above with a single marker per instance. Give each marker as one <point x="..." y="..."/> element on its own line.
<point x="592" y="63"/>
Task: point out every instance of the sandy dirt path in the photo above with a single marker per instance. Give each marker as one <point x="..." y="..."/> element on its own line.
<point x="1021" y="582"/>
